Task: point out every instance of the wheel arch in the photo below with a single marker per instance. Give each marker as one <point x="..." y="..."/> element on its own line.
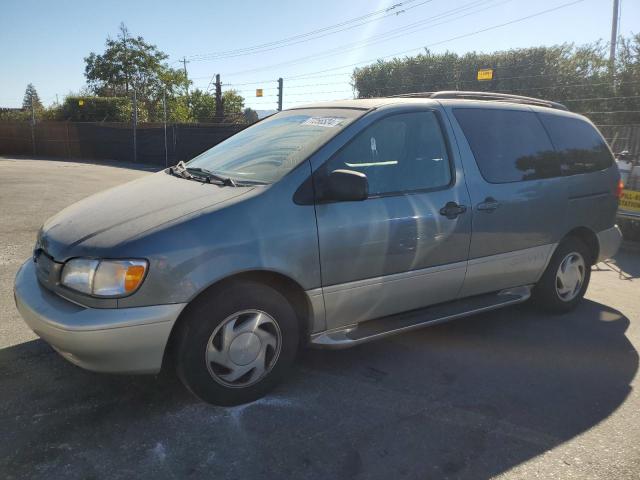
<point x="588" y="237"/>
<point x="289" y="288"/>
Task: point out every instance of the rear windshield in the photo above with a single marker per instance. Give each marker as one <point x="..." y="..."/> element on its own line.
<point x="268" y="150"/>
<point x="579" y="147"/>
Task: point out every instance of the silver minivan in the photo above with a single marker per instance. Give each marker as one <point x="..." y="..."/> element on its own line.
<point x="328" y="225"/>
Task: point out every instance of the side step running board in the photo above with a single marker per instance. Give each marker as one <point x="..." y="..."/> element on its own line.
<point x="351" y="335"/>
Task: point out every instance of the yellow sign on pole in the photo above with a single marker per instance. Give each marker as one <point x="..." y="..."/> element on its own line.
<point x="81" y="102"/>
<point x="258" y="92"/>
<point x="485" y="74"/>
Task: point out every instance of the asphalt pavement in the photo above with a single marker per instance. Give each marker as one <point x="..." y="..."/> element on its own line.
<point x="513" y="393"/>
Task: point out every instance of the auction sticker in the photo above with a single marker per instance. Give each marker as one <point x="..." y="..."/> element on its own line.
<point x="328" y="122"/>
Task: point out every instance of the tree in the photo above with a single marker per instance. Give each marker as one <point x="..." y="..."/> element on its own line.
<point x="95" y="109"/>
<point x="202" y="106"/>
<point x="178" y="110"/>
<point x="31" y="98"/>
<point x="627" y="83"/>
<point x="578" y="76"/>
<point x="250" y="115"/>
<point x="233" y="103"/>
<point x="130" y="63"/>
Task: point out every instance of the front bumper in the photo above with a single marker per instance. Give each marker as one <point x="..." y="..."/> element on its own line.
<point x="118" y="340"/>
<point x="609" y="241"/>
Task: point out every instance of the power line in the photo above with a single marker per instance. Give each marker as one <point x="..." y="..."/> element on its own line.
<point x="399" y="32"/>
<point x="394" y="88"/>
<point x="600" y="98"/>
<point x="458" y="37"/>
<point x="557" y="86"/>
<point x="577" y="85"/>
<point x="305" y="76"/>
<point x="259" y="48"/>
<point x="551" y="87"/>
<point x="426" y="76"/>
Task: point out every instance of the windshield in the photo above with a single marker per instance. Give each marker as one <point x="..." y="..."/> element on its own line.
<point x="268" y="150"/>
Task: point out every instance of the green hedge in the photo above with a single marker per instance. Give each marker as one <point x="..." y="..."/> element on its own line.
<point x="96" y="109"/>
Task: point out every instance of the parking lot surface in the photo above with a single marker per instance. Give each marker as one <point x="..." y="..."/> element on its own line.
<point x="510" y="394"/>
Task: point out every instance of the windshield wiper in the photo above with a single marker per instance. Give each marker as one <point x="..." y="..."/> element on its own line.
<point x="180" y="170"/>
<point x="211" y="177"/>
<point x="201" y="174"/>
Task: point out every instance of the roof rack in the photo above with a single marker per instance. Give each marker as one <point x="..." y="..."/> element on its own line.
<point x="489" y="96"/>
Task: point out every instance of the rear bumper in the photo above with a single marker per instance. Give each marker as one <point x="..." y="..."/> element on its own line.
<point x="124" y="340"/>
<point x="628" y="215"/>
<point x="609" y="241"/>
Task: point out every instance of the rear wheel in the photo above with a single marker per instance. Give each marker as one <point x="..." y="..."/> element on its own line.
<point x="237" y="344"/>
<point x="566" y="278"/>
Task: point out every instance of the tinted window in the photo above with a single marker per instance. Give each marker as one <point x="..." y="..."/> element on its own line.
<point x="580" y="148"/>
<point x="508" y="145"/>
<point x="398" y="153"/>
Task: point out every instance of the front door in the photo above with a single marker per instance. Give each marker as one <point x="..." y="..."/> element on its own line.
<point x="406" y="246"/>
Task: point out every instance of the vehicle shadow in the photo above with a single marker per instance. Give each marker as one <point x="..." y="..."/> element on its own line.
<point x="625" y="263"/>
<point x="468" y="399"/>
<point x="483" y="394"/>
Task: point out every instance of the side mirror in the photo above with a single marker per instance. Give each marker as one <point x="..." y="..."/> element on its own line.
<point x="345" y="186"/>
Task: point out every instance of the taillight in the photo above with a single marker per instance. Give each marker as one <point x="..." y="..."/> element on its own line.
<point x="619" y="189"/>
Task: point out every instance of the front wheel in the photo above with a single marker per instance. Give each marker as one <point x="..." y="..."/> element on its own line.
<point x="566" y="278"/>
<point x="237" y="344"/>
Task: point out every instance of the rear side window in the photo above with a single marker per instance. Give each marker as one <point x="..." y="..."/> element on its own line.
<point x="579" y="147"/>
<point x="508" y="145"/>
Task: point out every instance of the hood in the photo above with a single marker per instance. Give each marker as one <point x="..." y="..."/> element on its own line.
<point x="109" y="218"/>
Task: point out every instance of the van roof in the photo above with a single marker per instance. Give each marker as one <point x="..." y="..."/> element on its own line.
<point x="461" y="97"/>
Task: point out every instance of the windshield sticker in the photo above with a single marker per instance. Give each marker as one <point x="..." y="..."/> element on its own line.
<point x="328" y="122"/>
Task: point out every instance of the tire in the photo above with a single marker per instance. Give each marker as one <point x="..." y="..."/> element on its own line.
<point x="236" y="344"/>
<point x="572" y="258"/>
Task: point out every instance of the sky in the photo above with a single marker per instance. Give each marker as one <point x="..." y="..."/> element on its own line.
<point x="45" y="42"/>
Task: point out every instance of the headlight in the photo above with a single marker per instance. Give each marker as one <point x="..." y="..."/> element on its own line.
<point x="104" y="278"/>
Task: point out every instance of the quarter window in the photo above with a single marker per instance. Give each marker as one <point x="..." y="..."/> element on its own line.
<point x="579" y="147"/>
<point x="399" y="153"/>
<point x="508" y="145"/>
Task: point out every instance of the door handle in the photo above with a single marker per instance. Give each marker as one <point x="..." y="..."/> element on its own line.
<point x="489" y="205"/>
<point x="451" y="210"/>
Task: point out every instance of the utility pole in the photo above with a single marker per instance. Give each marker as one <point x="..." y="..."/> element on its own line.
<point x="186" y="77"/>
<point x="280" y="94"/>
<point x="123" y="29"/>
<point x="135" y="126"/>
<point x="164" y="107"/>
<point x="219" y="102"/>
<point x="614" y="36"/>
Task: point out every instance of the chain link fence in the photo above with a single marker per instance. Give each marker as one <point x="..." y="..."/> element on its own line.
<point x="622" y="137"/>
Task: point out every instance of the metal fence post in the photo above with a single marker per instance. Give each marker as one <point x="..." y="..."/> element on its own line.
<point x="164" y="106"/>
<point x="33" y="128"/>
<point x="173" y="137"/>
<point x="68" y="142"/>
<point x="135" y="126"/>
